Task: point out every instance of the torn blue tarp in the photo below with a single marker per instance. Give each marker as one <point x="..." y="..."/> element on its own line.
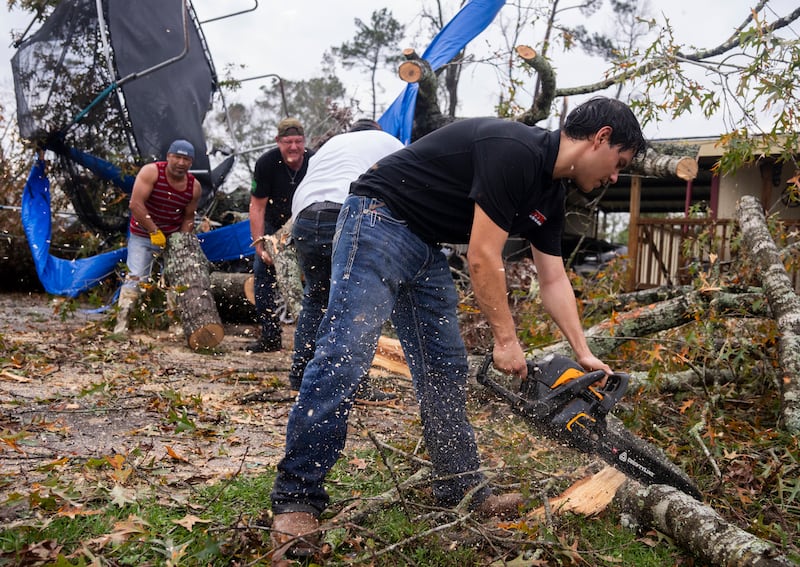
<point x="471" y="20"/>
<point x="73" y="277"/>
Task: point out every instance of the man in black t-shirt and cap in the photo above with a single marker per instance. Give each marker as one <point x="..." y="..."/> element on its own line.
<point x="475" y="181"/>
<point x="277" y="174"/>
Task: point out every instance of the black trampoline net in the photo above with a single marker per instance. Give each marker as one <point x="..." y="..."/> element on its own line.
<point x="120" y="87"/>
<point x="58" y="72"/>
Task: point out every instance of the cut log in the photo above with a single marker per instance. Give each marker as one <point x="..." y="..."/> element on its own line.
<point x="235" y="296"/>
<point x="696" y="526"/>
<point x="414" y="67"/>
<point x="287" y="270"/>
<point x="428" y="115"/>
<point x="655" y="164"/>
<point x="186" y="269"/>
<point x="783" y="301"/>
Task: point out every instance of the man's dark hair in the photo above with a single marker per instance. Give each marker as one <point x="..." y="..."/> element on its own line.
<point x="587" y="118"/>
<point x="364" y="124"/>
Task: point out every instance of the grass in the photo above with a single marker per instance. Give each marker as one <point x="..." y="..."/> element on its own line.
<point x="74" y="522"/>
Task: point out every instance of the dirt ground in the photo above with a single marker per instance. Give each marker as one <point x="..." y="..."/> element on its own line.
<point x="70" y="392"/>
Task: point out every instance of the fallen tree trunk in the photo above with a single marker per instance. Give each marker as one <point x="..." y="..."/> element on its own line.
<point x="696" y="526"/>
<point x="235" y="297"/>
<point x="783" y="301"/>
<point x="605" y="337"/>
<point x="186" y="271"/>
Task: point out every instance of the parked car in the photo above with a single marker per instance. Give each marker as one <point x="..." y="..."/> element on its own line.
<point x="593" y="254"/>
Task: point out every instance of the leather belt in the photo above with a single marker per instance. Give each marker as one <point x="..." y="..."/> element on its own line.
<point x="323" y="210"/>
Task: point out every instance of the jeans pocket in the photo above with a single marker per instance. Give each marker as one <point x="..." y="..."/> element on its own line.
<point x="382" y="213"/>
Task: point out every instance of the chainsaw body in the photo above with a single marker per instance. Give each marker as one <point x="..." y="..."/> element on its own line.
<point x="563" y="401"/>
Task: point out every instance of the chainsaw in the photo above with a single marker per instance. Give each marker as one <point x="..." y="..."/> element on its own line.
<point x="562" y="401"/>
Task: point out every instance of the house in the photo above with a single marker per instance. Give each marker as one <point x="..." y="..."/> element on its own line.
<point x="672" y="220"/>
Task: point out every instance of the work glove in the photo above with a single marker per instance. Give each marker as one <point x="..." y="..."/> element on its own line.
<point x="158" y="238"/>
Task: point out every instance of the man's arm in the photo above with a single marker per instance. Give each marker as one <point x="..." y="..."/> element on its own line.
<point x="142" y="189"/>
<point x="558" y="299"/>
<point x="258" y="207"/>
<point x="488" y="277"/>
<point x="191" y="209"/>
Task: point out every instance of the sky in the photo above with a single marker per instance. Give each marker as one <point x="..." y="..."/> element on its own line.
<point x="289" y="39"/>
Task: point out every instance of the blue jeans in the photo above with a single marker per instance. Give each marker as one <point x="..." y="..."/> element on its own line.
<point x="140" y="257"/>
<point x="381" y="270"/>
<point x="313" y="241"/>
<point x="265" y="287"/>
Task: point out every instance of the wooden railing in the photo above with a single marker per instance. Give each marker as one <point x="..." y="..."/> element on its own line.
<point x="671" y="251"/>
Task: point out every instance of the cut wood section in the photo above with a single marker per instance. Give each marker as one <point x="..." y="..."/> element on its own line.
<point x="588" y="496"/>
<point x="526" y="52"/>
<point x="410" y="71"/>
<point x="389" y="356"/>
<point x="187" y="273"/>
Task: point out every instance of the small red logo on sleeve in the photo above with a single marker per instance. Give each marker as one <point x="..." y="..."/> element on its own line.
<point x="537" y="217"/>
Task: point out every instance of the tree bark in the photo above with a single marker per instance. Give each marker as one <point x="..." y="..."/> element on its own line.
<point x="287" y="270"/>
<point x="655" y="164"/>
<point x="233" y="293"/>
<point x="428" y="115"/>
<point x="696" y="526"/>
<point x="608" y="335"/>
<point x="187" y="271"/>
<point x="783" y="301"/>
<point x="540" y="109"/>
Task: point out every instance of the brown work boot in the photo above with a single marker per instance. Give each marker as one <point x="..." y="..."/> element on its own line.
<point x="295" y="534"/>
<point x="502" y="506"/>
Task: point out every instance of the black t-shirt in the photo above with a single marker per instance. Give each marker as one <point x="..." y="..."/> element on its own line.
<point x="504" y="166"/>
<point x="275" y="181"/>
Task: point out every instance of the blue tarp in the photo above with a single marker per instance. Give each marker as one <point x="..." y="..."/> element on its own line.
<point x="471" y="20"/>
<point x="72" y="277"/>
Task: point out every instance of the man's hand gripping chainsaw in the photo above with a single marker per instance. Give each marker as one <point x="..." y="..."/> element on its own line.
<point x="562" y="401"/>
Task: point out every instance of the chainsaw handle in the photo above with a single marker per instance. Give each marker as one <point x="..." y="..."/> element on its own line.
<point x="483" y="371"/>
<point x="532" y="409"/>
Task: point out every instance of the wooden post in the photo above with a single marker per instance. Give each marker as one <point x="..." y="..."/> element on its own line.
<point x="633" y="233"/>
<point x="187" y="273"/>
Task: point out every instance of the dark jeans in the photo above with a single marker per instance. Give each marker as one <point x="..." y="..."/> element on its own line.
<point x="381" y="270"/>
<point x="312" y="234"/>
<point x="266" y="286"/>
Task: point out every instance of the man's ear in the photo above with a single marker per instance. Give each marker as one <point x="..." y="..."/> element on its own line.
<point x="602" y="136"/>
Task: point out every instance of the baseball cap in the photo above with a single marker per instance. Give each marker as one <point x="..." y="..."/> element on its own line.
<point x="364" y="124"/>
<point x="181" y="148"/>
<point x="290" y="127"/>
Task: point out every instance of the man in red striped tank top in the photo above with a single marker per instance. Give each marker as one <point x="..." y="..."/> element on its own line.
<point x="164" y="200"/>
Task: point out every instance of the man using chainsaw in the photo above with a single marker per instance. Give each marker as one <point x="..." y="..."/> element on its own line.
<point x="475" y="181"/>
